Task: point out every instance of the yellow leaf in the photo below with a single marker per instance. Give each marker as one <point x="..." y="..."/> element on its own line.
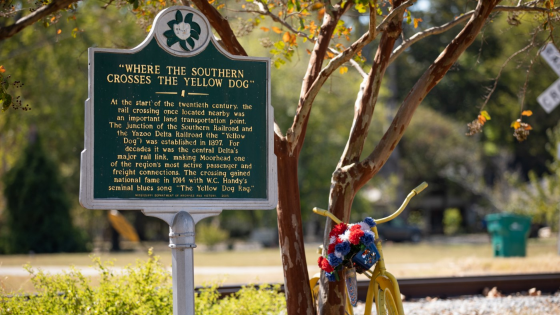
<point x="286" y="37"/>
<point x="2" y="69"/>
<point x="343" y="70"/>
<point x="293" y="39"/>
<point x="317" y="6"/>
<point x="53" y="18"/>
<point x="481" y="119"/>
<point x="276" y="30"/>
<point x="515" y="124"/>
<point x="330" y="54"/>
<point x="321" y="14"/>
<point x="220" y="6"/>
<point x="526" y="113"/>
<point x="485" y="114"/>
<point x="265" y="29"/>
<point x="528" y="127"/>
<point x="416" y="21"/>
<point x="59" y="31"/>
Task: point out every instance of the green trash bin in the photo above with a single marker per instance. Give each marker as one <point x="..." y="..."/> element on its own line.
<point x="509" y="233"/>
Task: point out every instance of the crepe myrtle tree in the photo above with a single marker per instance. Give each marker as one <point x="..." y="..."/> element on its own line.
<point x="317" y="26"/>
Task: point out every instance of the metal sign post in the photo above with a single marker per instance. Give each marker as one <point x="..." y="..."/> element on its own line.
<point x="181" y="241"/>
<point x="178" y="128"/>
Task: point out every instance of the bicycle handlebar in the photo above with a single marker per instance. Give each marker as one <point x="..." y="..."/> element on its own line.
<point x="413" y="193"/>
<point x="420" y="188"/>
<point x="326" y="213"/>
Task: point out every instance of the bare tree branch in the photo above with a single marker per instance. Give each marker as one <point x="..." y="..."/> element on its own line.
<point x="221" y="25"/>
<point x="263" y="9"/>
<point x="531" y="44"/>
<point x="358" y="68"/>
<point x="228" y="38"/>
<point x="295" y="134"/>
<point x="367" y="97"/>
<point x="330" y="21"/>
<point x="366" y="169"/>
<point x="108" y="4"/>
<point x="524" y="89"/>
<point x="399" y="9"/>
<point x="461" y="19"/>
<point x="56" y="5"/>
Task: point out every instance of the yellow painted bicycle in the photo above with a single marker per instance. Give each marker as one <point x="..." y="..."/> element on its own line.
<point x="383" y="288"/>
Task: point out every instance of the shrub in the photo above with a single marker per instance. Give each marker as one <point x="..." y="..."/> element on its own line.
<point x="38" y="210"/>
<point x="141" y="289"/>
<point x="210" y="235"/>
<point x="247" y="301"/>
<point x="452" y="221"/>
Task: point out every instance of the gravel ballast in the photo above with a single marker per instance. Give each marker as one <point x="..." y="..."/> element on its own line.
<point x="479" y="305"/>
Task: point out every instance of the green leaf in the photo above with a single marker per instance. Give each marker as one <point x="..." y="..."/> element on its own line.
<point x="279" y="45"/>
<point x="184" y="45"/>
<point x="172" y="41"/>
<point x="169" y="34"/>
<point x="194" y="34"/>
<point x="188" y="18"/>
<point x="7" y="102"/>
<point x="190" y="41"/>
<point x="171" y="23"/>
<point x="178" y="16"/>
<point x="361" y="8"/>
<point x="195" y="27"/>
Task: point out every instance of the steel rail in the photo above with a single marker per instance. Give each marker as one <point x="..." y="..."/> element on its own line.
<point x="448" y="287"/>
<point x="414" y="288"/>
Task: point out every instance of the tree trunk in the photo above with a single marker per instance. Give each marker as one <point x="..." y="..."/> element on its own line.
<point x="350" y="174"/>
<point x="296" y="278"/>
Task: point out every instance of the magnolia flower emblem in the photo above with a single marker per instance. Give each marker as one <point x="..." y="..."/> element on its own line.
<point x="182" y="31"/>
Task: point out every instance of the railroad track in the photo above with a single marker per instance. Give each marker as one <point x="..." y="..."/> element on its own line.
<point x="456" y="286"/>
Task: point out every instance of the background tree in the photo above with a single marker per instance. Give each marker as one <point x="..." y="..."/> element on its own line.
<point x="322" y="26"/>
<point x="38" y="211"/>
<point x="539" y="198"/>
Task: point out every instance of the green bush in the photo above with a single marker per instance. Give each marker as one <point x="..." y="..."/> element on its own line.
<point x="247" y="301"/>
<point x="452" y="221"/>
<point x="141" y="289"/>
<point x="210" y="235"/>
<point x="38" y="211"/>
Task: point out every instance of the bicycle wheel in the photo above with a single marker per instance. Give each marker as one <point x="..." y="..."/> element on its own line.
<point x="386" y="304"/>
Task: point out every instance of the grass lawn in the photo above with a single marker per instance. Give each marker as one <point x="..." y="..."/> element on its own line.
<point x="402" y="259"/>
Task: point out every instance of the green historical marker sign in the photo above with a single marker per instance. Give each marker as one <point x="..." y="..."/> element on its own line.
<point x="178" y="122"/>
